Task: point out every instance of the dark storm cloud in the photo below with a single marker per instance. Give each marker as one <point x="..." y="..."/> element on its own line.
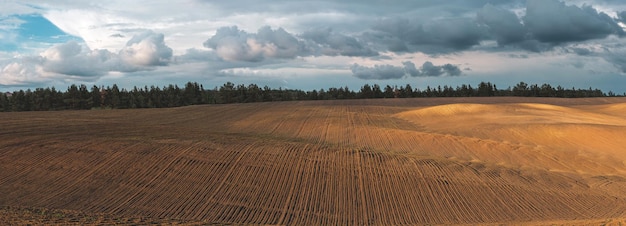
<point x="429" y="69"/>
<point x="551" y="21"/>
<point x="547" y="23"/>
<point x="582" y="51"/>
<point x="435" y="36"/>
<point x="457" y="34"/>
<point x="617" y="58"/>
<point x="331" y="43"/>
<point x="503" y="24"/>
<point x="622" y="16"/>
<point x="410" y="69"/>
<point x="387" y="71"/>
<point x="431" y="27"/>
<point x="379" y="72"/>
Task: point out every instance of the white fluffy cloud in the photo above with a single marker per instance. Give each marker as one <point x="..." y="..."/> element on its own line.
<point x="233" y="44"/>
<point x="17" y="74"/>
<point x="147" y="49"/>
<point x="77" y="61"/>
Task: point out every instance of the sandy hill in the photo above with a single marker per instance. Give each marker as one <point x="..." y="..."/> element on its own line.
<point x="357" y="162"/>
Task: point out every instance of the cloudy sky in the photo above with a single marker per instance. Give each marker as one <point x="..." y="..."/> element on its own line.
<point x="313" y="44"/>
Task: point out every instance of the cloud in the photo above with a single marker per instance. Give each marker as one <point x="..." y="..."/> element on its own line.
<point x="458" y="33"/>
<point x="233" y="44"/>
<point x="545" y="24"/>
<point x="141" y="52"/>
<point x="503" y="24"/>
<point x="431" y="37"/>
<point x="429" y="69"/>
<point x="377" y="72"/>
<point x="197" y="55"/>
<point x="616" y="56"/>
<point x="552" y="21"/>
<point x="20" y="73"/>
<point x="76" y="61"/>
<point x="204" y="37"/>
<point x="621" y="16"/>
<point x="147" y="49"/>
<point x="332" y="43"/>
<point x="382" y="72"/>
<point x="410" y="69"/>
<point x="284" y="44"/>
<point x="619" y="60"/>
<point x="582" y="51"/>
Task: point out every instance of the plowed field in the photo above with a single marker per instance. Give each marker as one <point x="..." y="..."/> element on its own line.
<point x="356" y="162"/>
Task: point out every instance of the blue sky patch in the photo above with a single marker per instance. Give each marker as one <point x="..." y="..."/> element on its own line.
<point x="34" y="32"/>
<point x="37" y="26"/>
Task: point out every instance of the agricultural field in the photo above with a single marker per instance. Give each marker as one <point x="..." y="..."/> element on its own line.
<point x="502" y="160"/>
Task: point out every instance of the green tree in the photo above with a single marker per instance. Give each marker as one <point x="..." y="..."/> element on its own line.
<point x="72" y="97"/>
<point x="113" y="95"/>
<point x="192" y="93"/>
<point x="389" y="92"/>
<point x="521" y="89"/>
<point x="377" y="92"/>
<point x="485" y="89"/>
<point x="96" y="98"/>
<point x="407" y="91"/>
<point x="366" y="92"/>
<point x="4" y="102"/>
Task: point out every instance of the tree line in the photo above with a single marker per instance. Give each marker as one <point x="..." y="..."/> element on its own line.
<point x="79" y="97"/>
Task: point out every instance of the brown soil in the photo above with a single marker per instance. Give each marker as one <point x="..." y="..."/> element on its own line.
<point x="376" y="162"/>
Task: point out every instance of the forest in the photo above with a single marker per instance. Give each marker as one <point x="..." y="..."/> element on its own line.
<point x="81" y="97"/>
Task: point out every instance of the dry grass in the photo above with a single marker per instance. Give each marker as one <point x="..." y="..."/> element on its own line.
<point x="380" y="162"/>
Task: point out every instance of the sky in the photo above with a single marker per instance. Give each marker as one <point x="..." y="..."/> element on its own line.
<point x="300" y="44"/>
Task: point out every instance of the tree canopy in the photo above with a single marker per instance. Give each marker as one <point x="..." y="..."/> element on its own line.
<point x="79" y="97"/>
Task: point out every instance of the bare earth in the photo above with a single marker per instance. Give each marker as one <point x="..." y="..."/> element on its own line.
<point x="498" y="160"/>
